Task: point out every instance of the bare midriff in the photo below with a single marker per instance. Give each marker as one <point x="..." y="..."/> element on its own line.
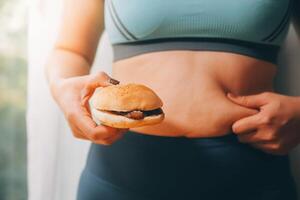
<point x="193" y="87"/>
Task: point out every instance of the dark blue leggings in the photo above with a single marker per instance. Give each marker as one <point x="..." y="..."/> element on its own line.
<point x="144" y="167"/>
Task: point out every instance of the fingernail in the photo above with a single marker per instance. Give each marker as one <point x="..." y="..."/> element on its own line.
<point x="113" y="81"/>
<point x="231" y="95"/>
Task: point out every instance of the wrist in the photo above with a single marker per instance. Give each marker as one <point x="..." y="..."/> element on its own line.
<point x="55" y="87"/>
<point x="64" y="86"/>
<point x="63" y="65"/>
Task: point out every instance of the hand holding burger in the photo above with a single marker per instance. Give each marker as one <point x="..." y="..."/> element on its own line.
<point x="72" y="95"/>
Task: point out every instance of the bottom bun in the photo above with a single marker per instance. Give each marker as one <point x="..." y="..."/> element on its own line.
<point x="119" y="121"/>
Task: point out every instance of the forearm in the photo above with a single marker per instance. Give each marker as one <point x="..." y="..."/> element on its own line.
<point x="63" y="64"/>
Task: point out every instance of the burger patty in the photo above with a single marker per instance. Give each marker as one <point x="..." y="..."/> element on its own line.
<point x="136" y="114"/>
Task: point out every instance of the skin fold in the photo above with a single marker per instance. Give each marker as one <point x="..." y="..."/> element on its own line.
<point x="194" y="86"/>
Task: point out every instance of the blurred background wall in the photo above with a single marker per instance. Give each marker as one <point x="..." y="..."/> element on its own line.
<point x="13" y="71"/>
<point x="55" y="157"/>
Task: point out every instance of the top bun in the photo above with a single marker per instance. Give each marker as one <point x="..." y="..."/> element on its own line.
<point x="125" y="98"/>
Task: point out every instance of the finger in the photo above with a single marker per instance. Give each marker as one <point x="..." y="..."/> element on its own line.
<point x="260" y="136"/>
<point x="90" y="129"/>
<point x="76" y="132"/>
<point x="100" y="79"/>
<point x="120" y="133"/>
<point x="260" y="147"/>
<point x="110" y="140"/>
<point x="250" y="101"/>
<point x="246" y="124"/>
<point x="114" y="138"/>
<point x="248" y="137"/>
<point x="254" y="122"/>
<point x="270" y="147"/>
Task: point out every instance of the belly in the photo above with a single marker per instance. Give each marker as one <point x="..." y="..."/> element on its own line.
<point x="193" y="87"/>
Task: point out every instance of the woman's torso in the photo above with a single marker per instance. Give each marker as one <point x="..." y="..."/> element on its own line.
<point x="193" y="87"/>
<point x="193" y="84"/>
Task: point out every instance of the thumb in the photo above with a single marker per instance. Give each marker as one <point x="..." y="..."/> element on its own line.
<point x="250" y="101"/>
<point x="100" y="79"/>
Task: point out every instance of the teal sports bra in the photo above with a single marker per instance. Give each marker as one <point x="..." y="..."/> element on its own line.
<point x="255" y="28"/>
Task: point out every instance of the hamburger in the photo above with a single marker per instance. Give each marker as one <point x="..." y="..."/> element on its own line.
<point x="126" y="106"/>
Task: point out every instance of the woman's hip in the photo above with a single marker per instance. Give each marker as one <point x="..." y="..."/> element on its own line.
<point x="158" y="167"/>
